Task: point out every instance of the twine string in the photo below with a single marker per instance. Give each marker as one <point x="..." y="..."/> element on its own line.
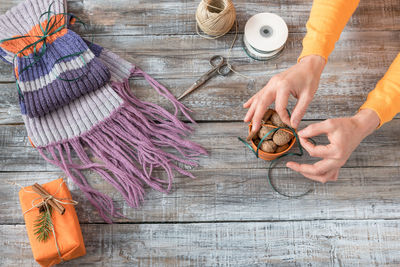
<point x="48" y="198"/>
<point x="274" y="162"/>
<point x="215" y="17"/>
<point x="54" y="234"/>
<point x="214" y="25"/>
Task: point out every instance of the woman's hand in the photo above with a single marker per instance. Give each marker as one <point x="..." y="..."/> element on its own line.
<point x="344" y="135"/>
<point x="301" y="81"/>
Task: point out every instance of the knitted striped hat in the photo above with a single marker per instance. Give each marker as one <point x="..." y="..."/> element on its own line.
<point x="107" y="129"/>
<point x="48" y="82"/>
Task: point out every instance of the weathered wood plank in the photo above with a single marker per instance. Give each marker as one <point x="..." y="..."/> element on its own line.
<point x="316" y="243"/>
<point x="186" y="57"/>
<point x="345" y="83"/>
<point x="177" y="17"/>
<point x="235" y="195"/>
<point x="231" y="184"/>
<point x="222" y="101"/>
<point x="220" y="140"/>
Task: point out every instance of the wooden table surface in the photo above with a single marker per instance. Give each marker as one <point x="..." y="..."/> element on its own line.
<point x="228" y="216"/>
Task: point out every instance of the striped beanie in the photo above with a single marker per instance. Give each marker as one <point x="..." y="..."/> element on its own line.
<point x="48" y="82"/>
<point x="80" y="112"/>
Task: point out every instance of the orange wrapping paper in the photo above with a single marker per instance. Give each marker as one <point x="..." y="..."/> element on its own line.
<point x="66" y="226"/>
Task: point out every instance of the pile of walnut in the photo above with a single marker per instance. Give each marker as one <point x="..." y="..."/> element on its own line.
<point x="275" y="142"/>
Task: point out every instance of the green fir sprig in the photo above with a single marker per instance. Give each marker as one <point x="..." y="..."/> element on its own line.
<point x="43" y="224"/>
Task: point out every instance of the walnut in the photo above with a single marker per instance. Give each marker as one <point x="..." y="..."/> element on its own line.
<point x="276" y="120"/>
<point x="268" y="146"/>
<point x="268" y="115"/>
<point x="264" y="130"/>
<point x="281" y="137"/>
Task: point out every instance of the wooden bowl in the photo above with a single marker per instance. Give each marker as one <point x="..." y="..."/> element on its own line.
<point x="271" y="156"/>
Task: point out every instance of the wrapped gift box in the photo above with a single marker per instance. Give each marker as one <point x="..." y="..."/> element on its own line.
<point x="66" y="226"/>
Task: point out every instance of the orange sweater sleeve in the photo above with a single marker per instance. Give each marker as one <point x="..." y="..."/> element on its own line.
<point x="385" y="98"/>
<point x="327" y="21"/>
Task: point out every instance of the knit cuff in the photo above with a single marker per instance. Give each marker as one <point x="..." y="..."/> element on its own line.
<point x="51" y="84"/>
<point x="74" y="119"/>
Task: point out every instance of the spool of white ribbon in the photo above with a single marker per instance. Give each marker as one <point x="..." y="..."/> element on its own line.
<point x="265" y="35"/>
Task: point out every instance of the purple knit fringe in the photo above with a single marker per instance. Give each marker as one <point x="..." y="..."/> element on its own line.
<point x="130" y="145"/>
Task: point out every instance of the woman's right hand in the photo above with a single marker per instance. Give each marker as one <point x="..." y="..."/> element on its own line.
<point x="301" y="81"/>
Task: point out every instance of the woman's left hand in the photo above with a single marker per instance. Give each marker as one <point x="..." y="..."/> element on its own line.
<point x="344" y="135"/>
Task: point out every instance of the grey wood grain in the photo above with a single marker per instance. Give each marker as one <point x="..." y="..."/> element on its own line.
<point x="344" y="86"/>
<point x="305" y="243"/>
<point x="220" y="140"/>
<point x="235" y="195"/>
<point x="228" y="216"/>
<point x="177" y="17"/>
<point x="187" y="56"/>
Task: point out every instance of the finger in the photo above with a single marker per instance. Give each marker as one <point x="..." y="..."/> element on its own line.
<point x="299" y="110"/>
<point x="281" y="102"/>
<point x="250" y="112"/>
<point x="258" y="115"/>
<point x="318" y="151"/>
<point x="329" y="176"/>
<point x="335" y="176"/>
<point x="262" y="107"/>
<point x="323" y="177"/>
<point x="251" y="135"/>
<point x="249" y="102"/>
<point x="319" y="168"/>
<point x="315" y="129"/>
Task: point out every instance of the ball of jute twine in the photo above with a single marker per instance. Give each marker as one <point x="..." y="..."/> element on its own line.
<point x="215" y="17"/>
